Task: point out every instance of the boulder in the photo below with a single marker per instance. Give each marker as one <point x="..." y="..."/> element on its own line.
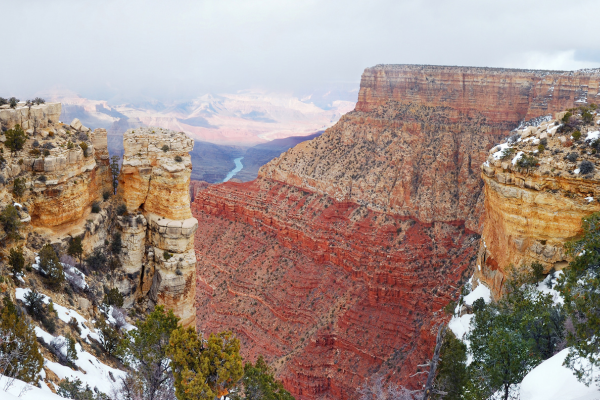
<point x="76" y="124"/>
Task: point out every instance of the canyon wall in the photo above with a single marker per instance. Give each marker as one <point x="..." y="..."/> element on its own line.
<point x="158" y="260"/>
<point x="531" y="213"/>
<point x="336" y="263"/>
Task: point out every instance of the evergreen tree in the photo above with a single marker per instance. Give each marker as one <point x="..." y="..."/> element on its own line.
<point x="11" y="222"/>
<point x="71" y="350"/>
<point x="51" y="267"/>
<point x="113" y="298"/>
<point x="19" y="354"/>
<point x="18" y="189"/>
<point x="259" y="384"/>
<point x="75" y="248"/>
<point x="579" y="287"/>
<point x="145" y="351"/>
<point x="16" y="260"/>
<point x="204" y="369"/>
<point x="110" y="338"/>
<point x="452" y="373"/>
<point x="15" y="139"/>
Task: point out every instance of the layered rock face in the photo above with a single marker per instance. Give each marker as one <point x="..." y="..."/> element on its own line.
<point x="64" y="167"/>
<point x="530" y="213"/>
<point x="158" y="260"/>
<point x="337" y="261"/>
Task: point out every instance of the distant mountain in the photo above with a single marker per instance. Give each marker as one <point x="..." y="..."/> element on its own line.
<point x="257" y="156"/>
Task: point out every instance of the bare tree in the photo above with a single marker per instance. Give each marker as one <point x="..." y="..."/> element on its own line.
<point x="376" y="390"/>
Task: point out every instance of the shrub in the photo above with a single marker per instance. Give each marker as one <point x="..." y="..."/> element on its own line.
<point x="122" y="209"/>
<point x="95" y="207"/>
<point x="565" y="119"/>
<point x="3" y="101"/>
<point x="106" y="195"/>
<point x="82" y="136"/>
<point x="51" y="267"/>
<point x="84" y="147"/>
<point x="18" y="187"/>
<point x="587" y="117"/>
<point x="507" y="153"/>
<point x="48" y="146"/>
<point x="39" y="100"/>
<point x="42" y="178"/>
<point x="167" y="255"/>
<point x="15" y="139"/>
<point x="576" y="135"/>
<point x="35" y="144"/>
<point x="139" y="220"/>
<point x="541" y="148"/>
<point x="46" y="152"/>
<point x="35" y="152"/>
<point x="526" y="161"/>
<point x="586" y="167"/>
<point x="113" y="298"/>
<point x="51" y="134"/>
<point x="73" y="324"/>
<point x="16" y="260"/>
<point x="11" y="222"/>
<point x="537" y="272"/>
<point x="165" y="148"/>
<point x="75" y="390"/>
<point x="572" y="157"/>
<point x="71" y="351"/>
<point x="178" y="159"/>
<point x="259" y="382"/>
<point x="116" y="244"/>
<point x="13" y="101"/>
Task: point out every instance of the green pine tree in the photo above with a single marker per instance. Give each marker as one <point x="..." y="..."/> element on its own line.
<point x="51" y="267"/>
<point x="16" y="260"/>
<point x="204" y="369"/>
<point x="258" y="383"/>
<point x="452" y="373"/>
<point x="580" y="288"/>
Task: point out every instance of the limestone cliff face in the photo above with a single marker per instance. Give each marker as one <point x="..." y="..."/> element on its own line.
<point x="64" y="167"/>
<point x="158" y="260"/>
<point x="336" y="262"/>
<point x="531" y="213"/>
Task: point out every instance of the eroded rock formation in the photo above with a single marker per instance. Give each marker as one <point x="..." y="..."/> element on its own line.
<point x="336" y="262"/>
<point x="531" y="212"/>
<point x="158" y="260"/>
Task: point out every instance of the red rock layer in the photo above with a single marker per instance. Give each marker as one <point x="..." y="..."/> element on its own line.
<point x="336" y="262"/>
<point x="330" y="292"/>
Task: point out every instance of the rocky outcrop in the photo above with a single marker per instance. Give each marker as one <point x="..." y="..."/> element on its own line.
<point x="63" y="170"/>
<point x="531" y="212"/>
<point x="336" y="262"/>
<point x="158" y="260"/>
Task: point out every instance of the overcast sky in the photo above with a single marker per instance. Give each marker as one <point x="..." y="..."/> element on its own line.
<point x="181" y="49"/>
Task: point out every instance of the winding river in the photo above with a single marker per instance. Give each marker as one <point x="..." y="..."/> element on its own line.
<point x="238" y="168"/>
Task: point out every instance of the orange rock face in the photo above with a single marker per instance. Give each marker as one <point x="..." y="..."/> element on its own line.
<point x="337" y="261"/>
<point x="531" y="213"/>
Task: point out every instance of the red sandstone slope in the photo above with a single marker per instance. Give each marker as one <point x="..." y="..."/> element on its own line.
<point x="336" y="262"/>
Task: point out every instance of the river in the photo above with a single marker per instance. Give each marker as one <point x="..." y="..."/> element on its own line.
<point x="238" y="168"/>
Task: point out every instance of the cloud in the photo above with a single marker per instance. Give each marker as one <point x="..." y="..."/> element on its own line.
<point x="181" y="49"/>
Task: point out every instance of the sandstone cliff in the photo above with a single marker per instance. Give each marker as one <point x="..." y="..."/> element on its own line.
<point x="158" y="261"/>
<point x="336" y="262"/>
<point x="531" y="212"/>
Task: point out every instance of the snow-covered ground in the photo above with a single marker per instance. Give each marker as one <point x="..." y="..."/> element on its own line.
<point x="23" y="391"/>
<point x="91" y="371"/>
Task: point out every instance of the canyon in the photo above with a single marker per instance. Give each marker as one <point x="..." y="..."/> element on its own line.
<point x="337" y="261"/>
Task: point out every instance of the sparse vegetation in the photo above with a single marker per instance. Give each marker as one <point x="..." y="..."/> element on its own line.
<point x="165" y="148"/>
<point x="122" y="209"/>
<point x="11" y="222"/>
<point x="18" y="189"/>
<point x="51" y="267"/>
<point x="586" y="167"/>
<point x="95" y="207"/>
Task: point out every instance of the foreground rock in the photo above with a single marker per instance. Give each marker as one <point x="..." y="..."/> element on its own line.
<point x="337" y="261"/>
<point x="158" y="262"/>
<point x="531" y="211"/>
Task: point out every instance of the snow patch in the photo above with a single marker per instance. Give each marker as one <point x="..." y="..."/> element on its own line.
<point x="552" y="381"/>
<point x="517" y="157"/>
